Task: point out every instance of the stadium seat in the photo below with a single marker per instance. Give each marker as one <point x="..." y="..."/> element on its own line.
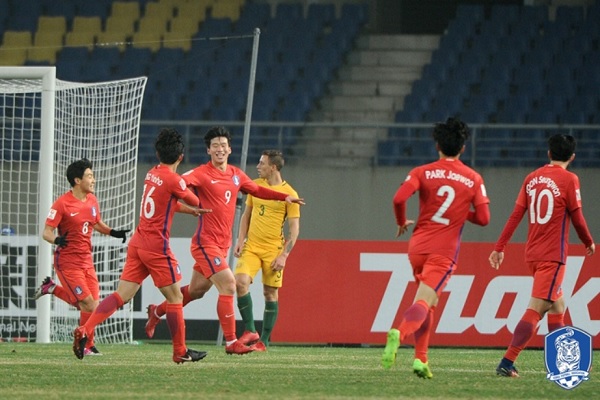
<point x="14" y="47"/>
<point x="226" y="9"/>
<point x="80" y="39"/>
<point x="96" y="8"/>
<point x="125" y="9"/>
<point x="123" y="25"/>
<point x="113" y="39"/>
<point x="55" y="25"/>
<point x="45" y="47"/>
<point x="152" y="25"/>
<point x="147" y="40"/>
<point x="91" y="24"/>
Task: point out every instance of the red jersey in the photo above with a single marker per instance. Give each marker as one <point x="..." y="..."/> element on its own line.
<point x="75" y="218"/>
<point x="218" y="191"/>
<point x="550" y="194"/>
<point x="162" y="190"/>
<point x="447" y="190"/>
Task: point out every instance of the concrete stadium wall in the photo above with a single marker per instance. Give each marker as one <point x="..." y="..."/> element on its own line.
<point x="356" y="204"/>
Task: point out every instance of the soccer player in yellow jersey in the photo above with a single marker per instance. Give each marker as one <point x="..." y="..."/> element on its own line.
<point x="261" y="245"/>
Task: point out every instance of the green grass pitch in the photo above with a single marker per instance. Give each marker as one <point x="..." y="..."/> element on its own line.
<point x="51" y="371"/>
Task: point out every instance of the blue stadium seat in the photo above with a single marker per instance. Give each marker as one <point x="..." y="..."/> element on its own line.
<point x="324" y="13"/>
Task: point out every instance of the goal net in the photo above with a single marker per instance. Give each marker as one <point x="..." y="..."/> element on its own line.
<point x="45" y="124"/>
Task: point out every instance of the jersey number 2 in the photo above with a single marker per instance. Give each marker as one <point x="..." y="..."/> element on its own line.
<point x="447" y="191"/>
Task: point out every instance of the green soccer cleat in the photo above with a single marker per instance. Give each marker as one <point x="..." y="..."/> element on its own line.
<point x="421" y="369"/>
<point x="391" y="348"/>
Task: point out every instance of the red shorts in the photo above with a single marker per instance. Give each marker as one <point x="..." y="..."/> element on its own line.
<point x="161" y="266"/>
<point x="209" y="260"/>
<point x="547" y="279"/>
<point x="79" y="283"/>
<point x="432" y="269"/>
<point x="77" y="275"/>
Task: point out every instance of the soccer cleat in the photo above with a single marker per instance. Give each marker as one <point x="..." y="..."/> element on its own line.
<point x="153" y="320"/>
<point x="79" y="341"/>
<point x="47" y="287"/>
<point x="508" y="371"/>
<point x="249" y="338"/>
<point x="421" y="369"/>
<point x="238" y="347"/>
<point x="391" y="348"/>
<point x="92" y="351"/>
<point x="259" y="346"/>
<point x="190" y="356"/>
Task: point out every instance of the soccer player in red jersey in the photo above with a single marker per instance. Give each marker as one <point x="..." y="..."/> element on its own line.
<point x="551" y="197"/>
<point x="450" y="193"/>
<point x="74" y="215"/>
<point x="217" y="185"/>
<point x="149" y="252"/>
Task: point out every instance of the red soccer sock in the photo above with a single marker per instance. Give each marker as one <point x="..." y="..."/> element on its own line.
<point x="422" y="336"/>
<point x="161" y="309"/>
<point x="555" y="321"/>
<point x="65" y="296"/>
<point x="413" y="318"/>
<point x="176" y="327"/>
<point x="83" y="318"/>
<point x="105" y="309"/>
<point x="524" y="331"/>
<point x="226" y="314"/>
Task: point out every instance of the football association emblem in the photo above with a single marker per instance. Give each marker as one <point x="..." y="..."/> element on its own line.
<point x="568" y="355"/>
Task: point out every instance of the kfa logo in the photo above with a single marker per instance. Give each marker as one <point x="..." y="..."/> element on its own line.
<point x="568" y="355"/>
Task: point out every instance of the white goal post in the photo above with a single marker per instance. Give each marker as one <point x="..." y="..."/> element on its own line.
<point x="45" y="124"/>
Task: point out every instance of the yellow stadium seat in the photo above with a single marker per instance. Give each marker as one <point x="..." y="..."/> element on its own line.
<point x="17" y="39"/>
<point x="226" y="9"/>
<point x="123" y="25"/>
<point x="159" y="9"/>
<point x="14" y="47"/>
<point x="177" y="40"/>
<point x="10" y="57"/>
<point x="130" y="9"/>
<point x="45" y="47"/>
<point x="185" y="25"/>
<point x="193" y="10"/>
<point x="87" y="24"/>
<point x="149" y="40"/>
<point x="80" y="39"/>
<point x="52" y="24"/>
<point x="152" y="24"/>
<point x="112" y="39"/>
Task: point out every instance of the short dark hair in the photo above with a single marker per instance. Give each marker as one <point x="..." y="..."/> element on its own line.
<point x="561" y="147"/>
<point x="77" y="169"/>
<point x="275" y="158"/>
<point x="451" y="136"/>
<point x="169" y="145"/>
<point x="214" y="132"/>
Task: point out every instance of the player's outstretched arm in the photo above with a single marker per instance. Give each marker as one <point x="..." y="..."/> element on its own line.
<point x="106" y="230"/>
<point x="291" y="199"/>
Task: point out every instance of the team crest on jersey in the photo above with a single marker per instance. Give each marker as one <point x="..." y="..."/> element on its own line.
<point x="78" y="290"/>
<point x="568" y="355"/>
<point x="236" y="180"/>
<point x="217" y="261"/>
<point x="94" y="212"/>
<point x="52" y="213"/>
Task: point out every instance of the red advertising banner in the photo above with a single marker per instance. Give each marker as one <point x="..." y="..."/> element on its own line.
<point x="353" y="292"/>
